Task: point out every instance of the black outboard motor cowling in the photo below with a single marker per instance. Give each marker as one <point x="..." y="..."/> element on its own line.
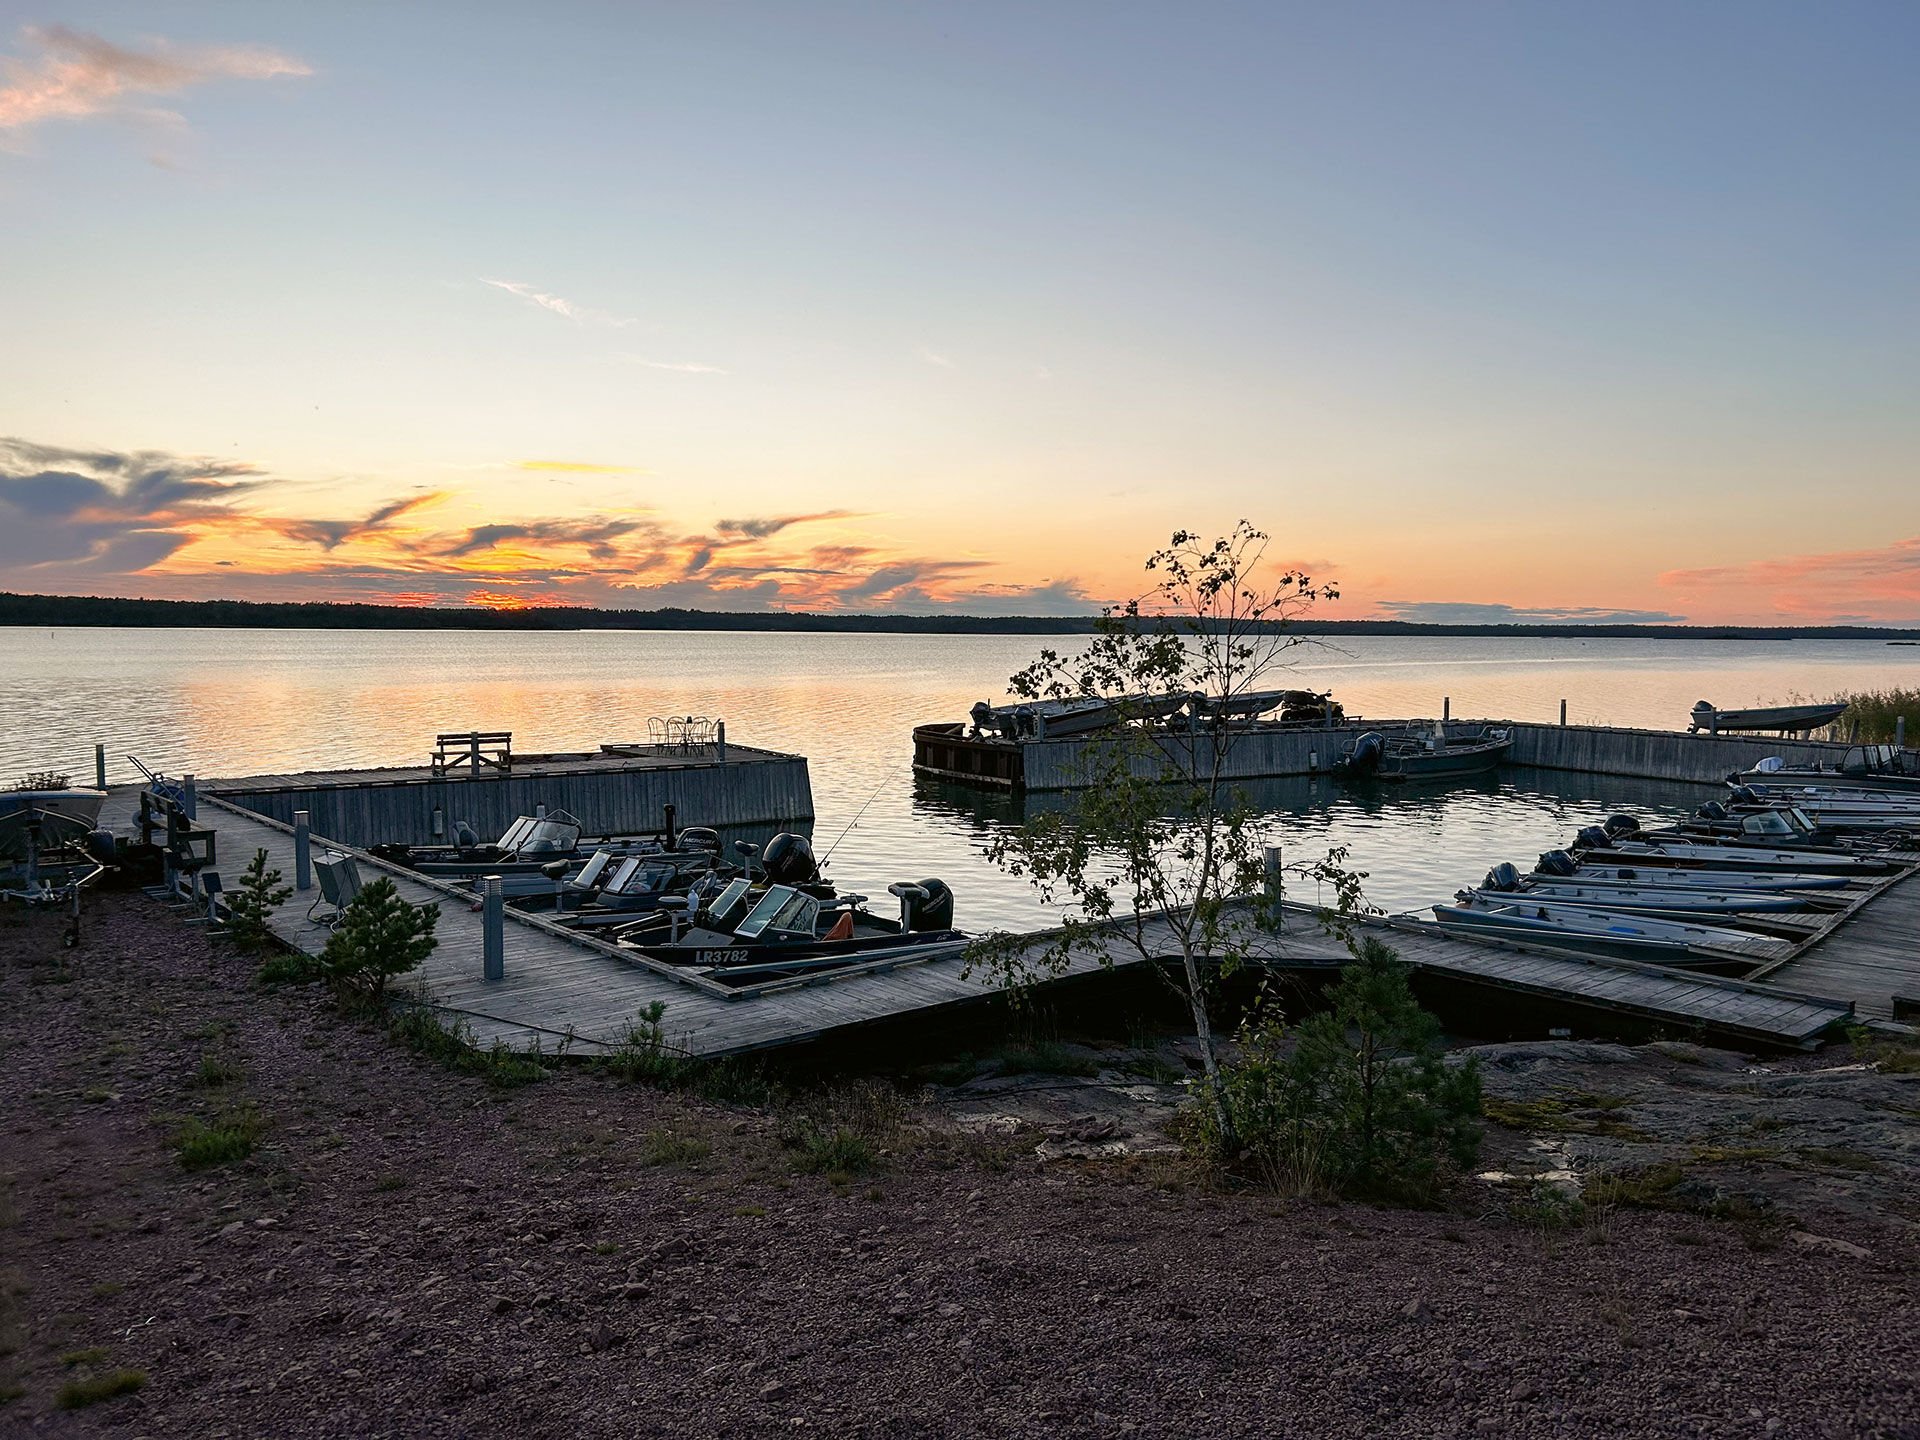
<point x="1503" y="877"/>
<point x="1368" y="751"/>
<point x="1556" y="862"/>
<point x="1713" y="810"/>
<point x="934" y="912"/>
<point x="699" y="840"/>
<point x="1745" y="795"/>
<point x="1593" y="837"/>
<point x="1621" y="826"/>
<point x="788" y="860"/>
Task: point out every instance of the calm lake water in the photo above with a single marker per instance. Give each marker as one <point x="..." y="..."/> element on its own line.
<point x="229" y="702"/>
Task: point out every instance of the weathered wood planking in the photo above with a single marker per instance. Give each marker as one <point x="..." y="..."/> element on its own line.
<point x="1871" y="956"/>
<point x="610" y="793"/>
<point x="1658" y="754"/>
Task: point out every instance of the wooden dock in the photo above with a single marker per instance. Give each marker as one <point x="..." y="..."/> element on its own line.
<point x="563" y="990"/>
<point x="1871" y="958"/>
<point x="617" y="789"/>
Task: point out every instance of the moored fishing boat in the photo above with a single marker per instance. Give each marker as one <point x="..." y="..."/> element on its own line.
<point x="1661" y="939"/>
<point x="1777" y="719"/>
<point x="1596" y="871"/>
<point x="1505" y="882"/>
<point x="1876" y="768"/>
<point x="1442" y="753"/>
<point x="738" y="940"/>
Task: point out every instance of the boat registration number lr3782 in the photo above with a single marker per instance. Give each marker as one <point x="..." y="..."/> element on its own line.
<point x="721" y="957"/>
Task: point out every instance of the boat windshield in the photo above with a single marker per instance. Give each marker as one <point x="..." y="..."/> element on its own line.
<point x="782" y="911"/>
<point x="1768" y="822"/>
<point x="591" y="871"/>
<point x="515" y="834"/>
<point x="618" y="884"/>
<point x="727" y="903"/>
<point x="549" y="837"/>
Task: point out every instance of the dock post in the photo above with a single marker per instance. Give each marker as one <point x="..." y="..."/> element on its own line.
<point x="1900" y="732"/>
<point x="720" y="737"/>
<point x="1563" y="714"/>
<point x="1274" y="885"/>
<point x="493" y="931"/>
<point x="1446" y="708"/>
<point x="191" y="801"/>
<point x="99" y="767"/>
<point x="302" y="851"/>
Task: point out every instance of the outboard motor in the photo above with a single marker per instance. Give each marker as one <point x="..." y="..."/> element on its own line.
<point x="1745" y="795"/>
<point x="982" y="716"/>
<point x="1593" y="837"/>
<point x="1503" y="877"/>
<point x="788" y="860"/>
<point x="1556" y="862"/>
<point x="1619" y="827"/>
<point x="1368" y="751"/>
<point x="700" y="840"/>
<point x="931" y="911"/>
<point x="1713" y="810"/>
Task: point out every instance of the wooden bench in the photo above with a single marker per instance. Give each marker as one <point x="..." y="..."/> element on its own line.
<point x="473" y="750"/>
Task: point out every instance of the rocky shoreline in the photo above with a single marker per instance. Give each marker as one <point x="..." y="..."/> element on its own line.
<point x="410" y="1251"/>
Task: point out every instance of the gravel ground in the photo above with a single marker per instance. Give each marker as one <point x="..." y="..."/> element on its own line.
<point x="409" y="1252"/>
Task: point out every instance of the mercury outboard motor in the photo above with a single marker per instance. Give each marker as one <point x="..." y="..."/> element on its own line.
<point x="1593" y="837"/>
<point x="788" y="860"/>
<point x="1556" y="862"/>
<point x="1619" y="827"/>
<point x="933" y="911"/>
<point x="1503" y="877"/>
<point x="700" y="840"/>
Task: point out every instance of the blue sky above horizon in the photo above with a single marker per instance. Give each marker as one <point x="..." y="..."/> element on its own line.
<point x="1552" y="311"/>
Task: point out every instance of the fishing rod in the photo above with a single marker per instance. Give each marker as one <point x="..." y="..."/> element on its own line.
<point x="856" y="819"/>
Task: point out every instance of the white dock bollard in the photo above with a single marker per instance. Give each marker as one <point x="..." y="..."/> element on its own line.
<point x="493" y="931"/>
<point x="302" y="851"/>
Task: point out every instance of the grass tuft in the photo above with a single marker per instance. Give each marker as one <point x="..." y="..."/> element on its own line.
<point x="663" y="1147"/>
<point x="230" y="1137"/>
<point x="78" y="1394"/>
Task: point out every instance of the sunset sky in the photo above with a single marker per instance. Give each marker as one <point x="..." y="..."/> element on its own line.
<point x="1485" y="311"/>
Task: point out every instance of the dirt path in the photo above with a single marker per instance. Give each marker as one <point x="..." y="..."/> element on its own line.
<point x="410" y="1252"/>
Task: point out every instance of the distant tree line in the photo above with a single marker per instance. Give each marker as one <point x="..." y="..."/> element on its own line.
<point x="102" y="610"/>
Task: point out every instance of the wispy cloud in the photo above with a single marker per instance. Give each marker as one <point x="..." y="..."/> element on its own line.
<point x="1460" y="612"/>
<point x="934" y="357"/>
<point x="74" y="76"/>
<point x="557" y="304"/>
<point x="684" y="367"/>
<point x="576" y="467"/>
<point x="1832" y="584"/>
<point x="332" y="534"/>
<point x="761" y="527"/>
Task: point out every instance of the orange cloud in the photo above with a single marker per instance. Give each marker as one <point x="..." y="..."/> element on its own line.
<point x="1835" y="584"/>
<point x="78" y="75"/>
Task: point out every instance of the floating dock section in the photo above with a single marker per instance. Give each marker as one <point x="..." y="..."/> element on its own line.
<point x="618" y="789"/>
<point x="1271" y="750"/>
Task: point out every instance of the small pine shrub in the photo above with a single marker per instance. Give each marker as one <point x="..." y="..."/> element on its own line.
<point x="1356" y="1100"/>
<point x="642" y="1054"/>
<point x="252" y="902"/>
<point x="379" y="938"/>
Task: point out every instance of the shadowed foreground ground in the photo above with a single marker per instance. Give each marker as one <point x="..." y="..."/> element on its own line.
<point x="409" y="1252"/>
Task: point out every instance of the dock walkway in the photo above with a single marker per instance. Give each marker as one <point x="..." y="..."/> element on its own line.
<point x="562" y="989"/>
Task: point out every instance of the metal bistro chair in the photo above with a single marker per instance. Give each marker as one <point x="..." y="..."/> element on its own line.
<point x="339" y="878"/>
